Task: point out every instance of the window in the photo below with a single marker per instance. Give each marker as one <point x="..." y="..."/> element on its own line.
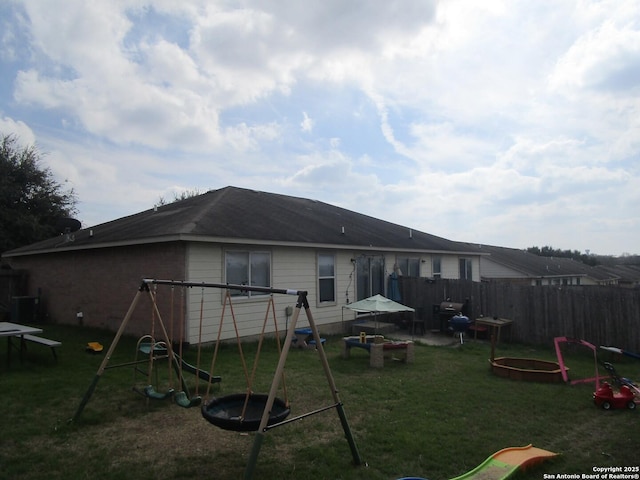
<point x="248" y="268"/>
<point x="326" y="278"/>
<point x="410" y="267"/>
<point x="436" y="266"/>
<point x="370" y="276"/>
<point x="465" y="269"/>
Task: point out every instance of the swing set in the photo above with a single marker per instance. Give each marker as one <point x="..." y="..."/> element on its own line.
<point x="155" y="351"/>
<point x="241" y="412"/>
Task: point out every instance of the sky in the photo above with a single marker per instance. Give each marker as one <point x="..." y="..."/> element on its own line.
<point x="511" y="123"/>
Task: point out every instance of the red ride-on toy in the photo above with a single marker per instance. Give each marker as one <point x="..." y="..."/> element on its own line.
<point x="606" y="398"/>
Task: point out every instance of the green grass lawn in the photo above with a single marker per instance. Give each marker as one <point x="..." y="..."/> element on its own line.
<point x="437" y="418"/>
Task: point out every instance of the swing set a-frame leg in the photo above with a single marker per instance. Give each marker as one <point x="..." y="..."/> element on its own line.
<point x="144" y="287"/>
<point x="107" y="357"/>
<point x="257" y="443"/>
<point x="334" y="390"/>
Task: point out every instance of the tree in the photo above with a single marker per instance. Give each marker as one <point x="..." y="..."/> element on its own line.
<point x="548" y="251"/>
<point x="177" y="198"/>
<point x="32" y="203"/>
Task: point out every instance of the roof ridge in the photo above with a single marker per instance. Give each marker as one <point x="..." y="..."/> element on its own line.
<point x="217" y="196"/>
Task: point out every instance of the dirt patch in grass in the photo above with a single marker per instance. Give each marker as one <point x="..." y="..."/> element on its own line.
<point x="164" y="443"/>
<point x="172" y="442"/>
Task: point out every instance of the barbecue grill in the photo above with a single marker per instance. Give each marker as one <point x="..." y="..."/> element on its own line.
<point x="446" y="310"/>
<point x="459" y="324"/>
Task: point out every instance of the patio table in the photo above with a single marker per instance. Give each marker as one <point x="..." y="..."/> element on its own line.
<point x="495" y="323"/>
<point x="10" y="330"/>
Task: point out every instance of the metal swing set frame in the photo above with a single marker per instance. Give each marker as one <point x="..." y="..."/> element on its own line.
<point x="265" y="424"/>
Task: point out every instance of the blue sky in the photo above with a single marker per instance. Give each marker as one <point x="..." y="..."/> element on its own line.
<point x="511" y="123"/>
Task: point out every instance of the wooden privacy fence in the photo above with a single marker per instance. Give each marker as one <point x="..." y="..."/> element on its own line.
<point x="598" y="314"/>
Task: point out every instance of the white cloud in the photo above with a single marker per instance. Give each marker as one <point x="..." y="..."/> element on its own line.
<point x="497" y="122"/>
<point x="243" y="137"/>
<point x="307" y="123"/>
<point x="24" y="135"/>
<point x="606" y="59"/>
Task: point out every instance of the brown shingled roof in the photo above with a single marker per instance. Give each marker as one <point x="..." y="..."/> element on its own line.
<point x="535" y="266"/>
<point x="237" y="214"/>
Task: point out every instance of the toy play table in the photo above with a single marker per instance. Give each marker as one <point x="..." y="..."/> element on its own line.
<point x="378" y="348"/>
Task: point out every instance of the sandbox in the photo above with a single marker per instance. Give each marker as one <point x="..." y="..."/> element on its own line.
<point x="528" y="369"/>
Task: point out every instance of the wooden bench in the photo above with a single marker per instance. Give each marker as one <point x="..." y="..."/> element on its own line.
<point x="53" y="344"/>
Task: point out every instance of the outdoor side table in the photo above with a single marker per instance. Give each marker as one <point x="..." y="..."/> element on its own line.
<point x="495" y="324"/>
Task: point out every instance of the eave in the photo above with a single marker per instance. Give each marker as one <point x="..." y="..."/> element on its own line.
<point x="87" y="245"/>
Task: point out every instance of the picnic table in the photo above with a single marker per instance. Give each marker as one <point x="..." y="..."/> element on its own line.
<point x="26" y="334"/>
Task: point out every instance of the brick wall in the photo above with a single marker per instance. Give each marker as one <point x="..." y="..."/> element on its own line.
<point x="101" y="283"/>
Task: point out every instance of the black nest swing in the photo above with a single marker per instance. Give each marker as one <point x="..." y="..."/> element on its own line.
<point x="226" y="412"/>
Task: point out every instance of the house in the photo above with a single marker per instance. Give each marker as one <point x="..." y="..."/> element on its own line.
<point x="520" y="266"/>
<point x="622" y="275"/>
<point x="236" y="236"/>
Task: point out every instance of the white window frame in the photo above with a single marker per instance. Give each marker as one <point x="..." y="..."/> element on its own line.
<point x="247" y="279"/>
<point x="468" y="268"/>
<point x="325" y="276"/>
<point x="370" y="279"/>
<point x="405" y="264"/>
<point x="436" y="260"/>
